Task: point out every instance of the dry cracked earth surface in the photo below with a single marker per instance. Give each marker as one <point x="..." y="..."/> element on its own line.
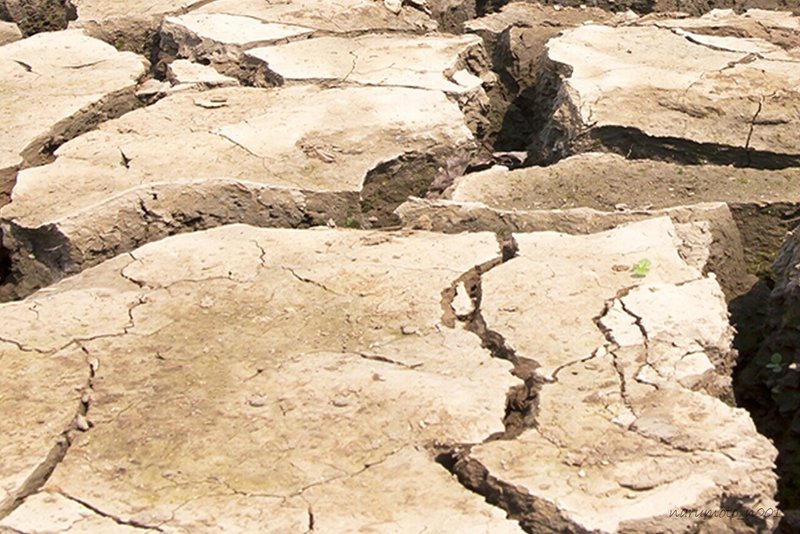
<point x="399" y="266"/>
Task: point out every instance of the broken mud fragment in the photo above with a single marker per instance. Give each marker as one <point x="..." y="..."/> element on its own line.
<point x="196" y="160"/>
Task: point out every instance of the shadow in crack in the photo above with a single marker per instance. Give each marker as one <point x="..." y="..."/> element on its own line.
<point x="484" y="7"/>
<point x="769" y="389"/>
<point x="5" y="261"/>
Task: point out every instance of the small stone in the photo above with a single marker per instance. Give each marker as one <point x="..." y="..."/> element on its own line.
<point x="257" y="401"/>
<point x="408" y="330"/>
<point x="81" y="423"/>
<point x="208" y="103"/>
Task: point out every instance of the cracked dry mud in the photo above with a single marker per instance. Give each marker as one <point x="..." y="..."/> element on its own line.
<point x="713" y="99"/>
<point x="195" y="336"/>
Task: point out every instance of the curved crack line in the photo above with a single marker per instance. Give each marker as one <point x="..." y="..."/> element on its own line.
<point x="115" y="519"/>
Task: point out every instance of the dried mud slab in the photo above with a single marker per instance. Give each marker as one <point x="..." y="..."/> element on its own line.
<point x="713" y="99"/>
<point x="183" y="75"/>
<point x="221" y="40"/>
<point x="764" y="203"/>
<point x="265" y="53"/>
<point x="456" y="65"/>
<point x="296" y="156"/>
<point x="265" y="380"/>
<point x="641" y="368"/>
<point x="768" y="381"/>
<point x="777" y="27"/>
<point x="46" y="378"/>
<point x="436" y="62"/>
<point x="711" y="241"/>
<point x="346" y="16"/>
<point x="56" y="86"/>
<point x="130" y="25"/>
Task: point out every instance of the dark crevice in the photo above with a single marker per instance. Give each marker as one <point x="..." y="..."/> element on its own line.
<point x="771" y="393"/>
<point x="485" y="7"/>
<point x="5" y="261"/>
<point x="533" y="515"/>
<point x="522" y="96"/>
<point x="44" y="251"/>
<point x="521" y="399"/>
<point x="753" y="124"/>
<point x="637" y="6"/>
<point x="390" y="183"/>
<point x="451" y="18"/>
<point x="311" y="520"/>
<point x="521" y="406"/>
<point x="530" y="95"/>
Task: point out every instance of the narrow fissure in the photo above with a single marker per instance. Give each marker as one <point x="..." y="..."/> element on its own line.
<point x="115" y="519"/>
<point x="42" y="473"/>
<point x="520" y="413"/>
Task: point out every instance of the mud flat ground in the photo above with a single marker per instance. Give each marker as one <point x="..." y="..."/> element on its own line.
<point x="399" y="266"/>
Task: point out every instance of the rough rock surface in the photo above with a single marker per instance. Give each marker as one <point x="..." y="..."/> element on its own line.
<point x="764" y="203"/>
<point x="307" y="353"/>
<point x="714" y="98"/>
<point x="290" y="157"/>
<point x="55" y="86"/>
<point x="641" y="369"/>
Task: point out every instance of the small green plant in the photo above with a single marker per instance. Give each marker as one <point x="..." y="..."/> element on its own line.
<point x="641" y="268"/>
<point x="351" y="222"/>
<point x="775" y="363"/>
